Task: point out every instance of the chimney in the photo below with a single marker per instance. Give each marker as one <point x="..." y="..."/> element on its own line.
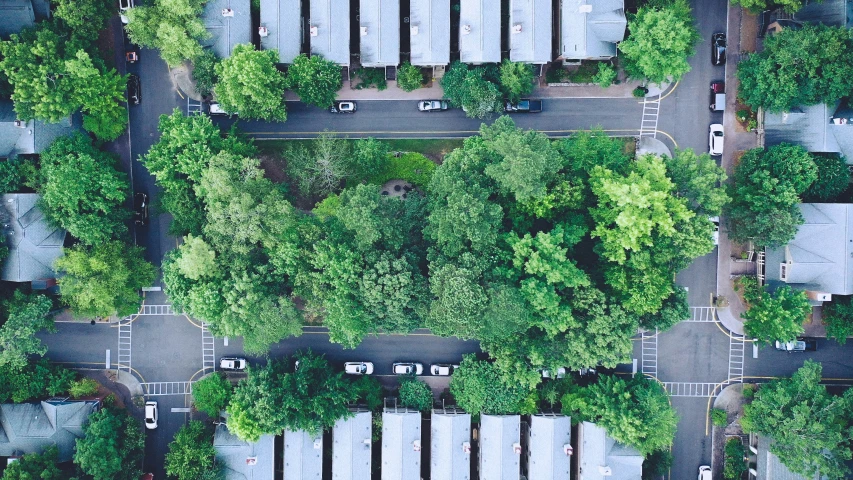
<point x="313" y="31"/>
<point x="605" y="471"/>
<point x="251" y="461"/>
<point x="466" y="29"/>
<point x="516" y="447"/>
<point x="263" y="32"/>
<point x="227" y="12"/>
<point x="466" y="447"/>
<point x="568" y="450"/>
<point x="516" y="28"/>
<point x="363" y="31"/>
<point x="416" y="445"/>
<point x="318" y="443"/>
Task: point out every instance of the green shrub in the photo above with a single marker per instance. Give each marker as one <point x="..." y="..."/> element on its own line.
<point x="838" y="318"/>
<point x="409" y="77"/>
<point x="606" y="75"/>
<point x="212" y="394"/>
<point x="371" y="77"/>
<point x="83" y="388"/>
<point x="369" y="392"/>
<point x="719" y="417"/>
<point x="415" y="394"/>
<point x="412" y="167"/>
<point x="742" y="115"/>
<point x="833" y="178"/>
<point x="748" y="391"/>
<point x="735" y="467"/>
<point x="204" y="73"/>
<point x="657" y="464"/>
<point x="556" y="75"/>
<point x="10" y="176"/>
<point x="640" y="92"/>
<point x="748" y="287"/>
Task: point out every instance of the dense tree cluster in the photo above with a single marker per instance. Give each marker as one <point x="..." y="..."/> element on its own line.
<point x="777" y="316"/>
<point x="191" y="454"/>
<point x="25" y="316"/>
<point x="212" y="394"/>
<point x="250" y="85"/>
<point x="112" y="446"/>
<point x="483" y="90"/>
<point x="758" y="6"/>
<point x="172" y="26"/>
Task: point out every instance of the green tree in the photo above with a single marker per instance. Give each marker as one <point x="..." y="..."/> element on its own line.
<point x="833" y="178"/>
<point x="112" y="446"/>
<point x="657" y="464"/>
<point x="758" y="6"/>
<point x="516" y="80"/>
<point x="172" y="26"/>
<point x="471" y="90"/>
<point x="777" y="317"/>
<point x="735" y="467"/>
<point x="11" y="178"/>
<point x="315" y="79"/>
<point x="28" y="314"/>
<point x="103" y="280"/>
<point x="698" y="179"/>
<point x="662" y="37"/>
<point x="32" y="466"/>
<point x="204" y="72"/>
<point x="83" y="18"/>
<point x="369" y="158"/>
<point x="798" y="67"/>
<point x="674" y="310"/>
<point x="809" y="426"/>
<point x="37" y="380"/>
<point x="197" y="258"/>
<point x="320" y="167"/>
<point x="250" y="84"/>
<point x="478" y="388"/>
<point x="838" y="318"/>
<point x="409" y="77"/>
<point x="415" y="394"/>
<point x="191" y="455"/>
<point x="100" y="92"/>
<point x="605" y="76"/>
<point x="212" y="394"/>
<point x="83" y="388"/>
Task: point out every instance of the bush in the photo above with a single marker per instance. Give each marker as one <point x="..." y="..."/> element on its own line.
<point x="10" y="176"/>
<point x="749" y="289"/>
<point x="838" y="318"/>
<point x="415" y="394"/>
<point x="640" y="92"/>
<point x="409" y="77"/>
<point x="369" y="391"/>
<point x="83" y="388"/>
<point x="657" y="464"/>
<point x="719" y="417"/>
<point x="748" y="391"/>
<point x="606" y="75"/>
<point x="212" y="393"/>
<point x="735" y="466"/>
<point x="204" y="73"/>
<point x="833" y="178"/>
<point x="412" y="167"/>
<point x="742" y="115"/>
<point x="371" y="77"/>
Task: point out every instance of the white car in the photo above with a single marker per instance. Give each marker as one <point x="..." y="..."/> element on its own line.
<point x="343" y="107"/>
<point x="232" y="363"/>
<point x="432" y="105"/>
<point x="216" y="109"/>
<point x="124" y="6"/>
<point x="358" y="368"/>
<point x="716" y="234"/>
<point x="442" y="369"/>
<point x="561" y="372"/>
<point x="150" y="415"/>
<point x="705" y="473"/>
<point x="715" y="140"/>
<point x="408" y="368"/>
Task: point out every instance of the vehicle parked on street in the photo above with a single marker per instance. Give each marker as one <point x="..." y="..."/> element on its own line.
<point x="134" y="90"/>
<point x="408" y="368"/>
<point x="151" y="415"/>
<point x="715" y="140"/>
<point x="718" y="48"/>
<point x="344" y="106"/>
<point x="358" y="368"/>
<point x="124" y="6"/>
<point x="216" y="109"/>
<point x="442" y="369"/>
<point x="232" y="363"/>
<point x="131" y="56"/>
<point x="718" y="96"/>
<point x="801" y="344"/>
<point x="140" y="209"/>
<point x="705" y="473"/>
<point x="525" y="105"/>
<point x="716" y="234"/>
<point x="432" y="105"/>
<point x="561" y="372"/>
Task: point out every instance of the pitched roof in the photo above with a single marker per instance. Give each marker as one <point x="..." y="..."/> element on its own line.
<point x="429" y="28"/>
<point x="243" y="460"/>
<point x="448" y="432"/>
<point x="329" y="30"/>
<point x="227" y="32"/>
<point x="818" y="128"/>
<point x="834" y="13"/>
<point x="819" y="256"/>
<point x="401" y="444"/>
<point x="498" y="435"/>
<point x="547" y="436"/>
<point x="32" y="427"/>
<point x="283" y="21"/>
<point x="303" y="455"/>
<point x="480" y="31"/>
<point x="15" y="15"/>
<point x="351" y="446"/>
<point x="33" y="243"/>
<point x="769" y="467"/>
<point x="591" y="29"/>
<point x="598" y="451"/>
<point x="379" y="21"/>
<point x="530" y="31"/>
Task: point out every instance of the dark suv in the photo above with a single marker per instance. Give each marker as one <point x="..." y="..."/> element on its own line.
<point x="718" y="49"/>
<point x="140" y="209"/>
<point x="134" y="90"/>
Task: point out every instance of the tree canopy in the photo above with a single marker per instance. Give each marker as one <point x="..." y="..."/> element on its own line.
<point x="27" y="315"/>
<point x="249" y="84"/>
<point x="212" y="394"/>
<point x="42" y="466"/>
<point x="315" y="79"/>
<point x="478" y="387"/>
<point x="191" y="455"/>
<point x="174" y="27"/>
<point x="472" y="90"/>
<point x="779" y="316"/>
<point x="758" y="6"/>
<point x="112" y="446"/>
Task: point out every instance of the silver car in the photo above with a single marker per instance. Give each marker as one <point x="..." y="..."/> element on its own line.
<point x="442" y="369"/>
<point x="358" y="368"/>
<point x="408" y="368"/>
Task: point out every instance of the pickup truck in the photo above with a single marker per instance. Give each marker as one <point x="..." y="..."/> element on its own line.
<point x="526" y="105"/>
<point x="801" y="344"/>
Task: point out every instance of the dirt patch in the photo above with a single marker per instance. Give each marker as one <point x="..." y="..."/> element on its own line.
<point x="273" y="166"/>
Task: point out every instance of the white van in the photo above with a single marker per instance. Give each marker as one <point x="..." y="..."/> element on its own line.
<point x="216" y="109"/>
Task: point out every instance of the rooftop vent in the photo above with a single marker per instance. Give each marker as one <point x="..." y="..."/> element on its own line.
<point x="227" y="12"/>
<point x="363" y="31"/>
<point x="783" y="272"/>
<point x="313" y="31"/>
<point x="19" y="123"/>
<point x="516" y="447"/>
<point x="318" y="443"/>
<point x="263" y="32"/>
<point x="366" y="442"/>
<point x="466" y="447"/>
<point x="414" y="29"/>
<point x="251" y="461"/>
<point x="416" y="445"/>
<point x="516" y="28"/>
<point x="466" y="29"/>
<point x="568" y="450"/>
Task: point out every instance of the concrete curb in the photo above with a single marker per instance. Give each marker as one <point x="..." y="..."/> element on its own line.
<point x="131" y="382"/>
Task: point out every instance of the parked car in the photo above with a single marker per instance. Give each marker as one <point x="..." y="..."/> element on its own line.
<point x="358" y="368"/>
<point x="151" y="415"/>
<point x="801" y="344"/>
<point x="134" y="90"/>
<point x="343" y="107"/>
<point x="718" y="96"/>
<point x="705" y="473"/>
<point x="525" y="105"/>
<point x="124" y="6"/>
<point x="718" y="48"/>
<point x="216" y="109"/>
<point x="131" y="56"/>
<point x="232" y="363"/>
<point x="716" y="234"/>
<point x="432" y="105"/>
<point x="408" y="368"/>
<point x="442" y="369"/>
<point x="715" y="139"/>
<point x="561" y="372"/>
<point x="140" y="209"/>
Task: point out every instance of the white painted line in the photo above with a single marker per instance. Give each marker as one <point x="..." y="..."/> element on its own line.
<point x="180" y="410"/>
<point x="107" y="363"/>
<point x="634" y="369"/>
<point x="226" y="341"/>
<point x="754" y="350"/>
<point x="151" y="289"/>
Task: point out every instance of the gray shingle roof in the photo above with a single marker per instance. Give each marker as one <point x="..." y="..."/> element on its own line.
<point x="547" y="436"/>
<point x="597" y="450"/>
<point x="379" y="23"/>
<point x="32" y="136"/>
<point x="15" y="15"/>
<point x="480" y="31"/>
<point x="530" y="31"/>
<point x="303" y="455"/>
<point x="429" y="26"/>
<point x="591" y="29"/>
<point x="818" y="128"/>
<point x="283" y="21"/>
<point x="32" y="427"/>
<point x="769" y="467"/>
<point x="33" y="243"/>
<point x="498" y="458"/>
<point x="351" y="439"/>
<point x="243" y="460"/>
<point x="835" y="13"/>
<point x="227" y="32"/>
<point x="449" y="430"/>
<point x="329" y="30"/>
<point x="401" y="444"/>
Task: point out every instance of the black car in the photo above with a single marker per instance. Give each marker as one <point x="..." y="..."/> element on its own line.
<point x="134" y="90"/>
<point x="718" y="49"/>
<point x="140" y="209"/>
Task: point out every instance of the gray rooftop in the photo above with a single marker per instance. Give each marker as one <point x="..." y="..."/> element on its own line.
<point x="590" y="29"/>
<point x="33" y="242"/>
<point x="32" y="427"/>
<point x="480" y="31"/>
<point x="530" y="31"/>
<point x="243" y="460"/>
<point x="820" y="257"/>
<point x="598" y="452"/>
<point x="16" y="15"/>
<point x="818" y="128"/>
<point x="835" y="13"/>
<point x="547" y="437"/>
<point x="498" y="458"/>
<point x="352" y="441"/>
<point x="303" y="455"/>
<point x="226" y="32"/>
<point x="401" y="444"/>
<point x="32" y="136"/>
<point x="769" y="467"/>
<point x="429" y="27"/>
<point x="449" y="432"/>
<point x="283" y="22"/>
<point x="329" y="30"/>
<point x="379" y="23"/>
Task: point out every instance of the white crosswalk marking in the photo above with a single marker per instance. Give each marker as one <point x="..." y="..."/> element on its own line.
<point x="156" y="310"/>
<point x="737" y="357"/>
<point x="687" y="389"/>
<point x="702" y="314"/>
<point x="649" y="124"/>
<point x="155" y="389"/>
<point x="649" y="344"/>
<point x="124" y="340"/>
<point x="208" y="354"/>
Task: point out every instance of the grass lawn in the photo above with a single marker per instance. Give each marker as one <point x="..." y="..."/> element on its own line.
<point x="431" y="147"/>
